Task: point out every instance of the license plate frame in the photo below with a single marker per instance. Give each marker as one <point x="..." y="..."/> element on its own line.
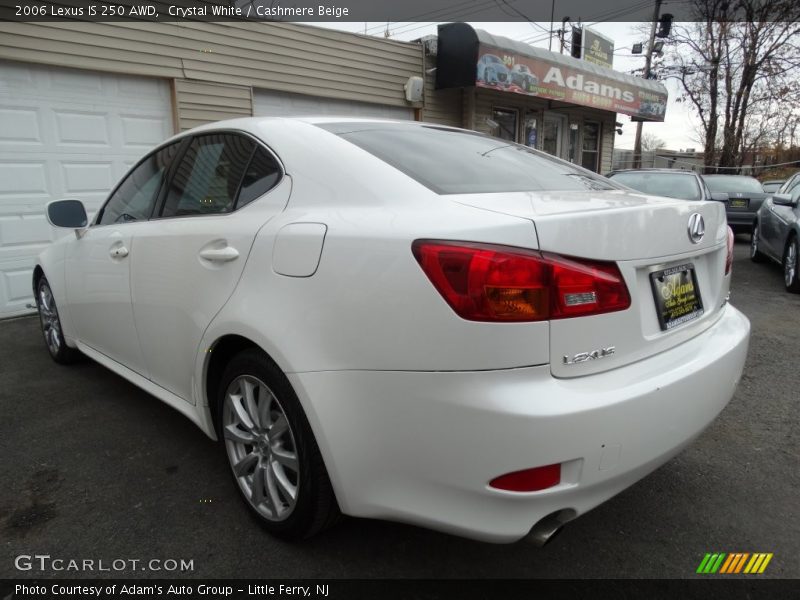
<point x="676" y="296"/>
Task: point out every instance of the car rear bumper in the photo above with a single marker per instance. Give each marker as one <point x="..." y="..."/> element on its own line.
<point x="421" y="447"/>
<point x="741" y="219"/>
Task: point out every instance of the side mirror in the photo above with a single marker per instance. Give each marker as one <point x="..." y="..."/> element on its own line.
<point x="719" y="196"/>
<point x="69" y="214"/>
<point x="783" y="200"/>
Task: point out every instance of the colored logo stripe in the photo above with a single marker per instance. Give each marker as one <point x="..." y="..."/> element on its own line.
<point x="711" y="563"/>
<point x="727" y="564"/>
<point x="734" y="563"/>
<point x="758" y="563"/>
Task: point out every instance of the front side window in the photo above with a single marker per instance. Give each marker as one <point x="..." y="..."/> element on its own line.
<point x="208" y="177"/>
<point x="790" y="185"/>
<point x="134" y="198"/>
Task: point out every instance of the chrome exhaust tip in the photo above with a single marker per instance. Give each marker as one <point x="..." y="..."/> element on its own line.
<point x="549" y="527"/>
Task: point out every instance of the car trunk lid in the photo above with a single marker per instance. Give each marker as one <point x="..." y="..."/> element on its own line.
<point x="648" y="238"/>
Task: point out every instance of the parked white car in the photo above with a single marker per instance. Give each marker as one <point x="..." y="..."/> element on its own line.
<point x="402" y="320"/>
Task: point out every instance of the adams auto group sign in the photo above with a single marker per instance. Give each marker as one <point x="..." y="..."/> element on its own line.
<point x="499" y="69"/>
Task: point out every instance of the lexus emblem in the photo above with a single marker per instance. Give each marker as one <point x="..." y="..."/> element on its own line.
<point x="697" y="228"/>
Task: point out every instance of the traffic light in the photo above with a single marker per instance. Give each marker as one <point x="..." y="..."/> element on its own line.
<point x="577" y="42"/>
<point x="664" y="26"/>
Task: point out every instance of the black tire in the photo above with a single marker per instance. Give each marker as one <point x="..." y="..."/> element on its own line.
<point x="755" y="254"/>
<point x="314" y="507"/>
<point x="50" y="322"/>
<point x="791" y="266"/>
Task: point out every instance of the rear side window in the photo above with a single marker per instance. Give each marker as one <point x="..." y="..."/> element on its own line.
<point x="261" y="176"/>
<point x="208" y="177"/>
<point x="671" y="185"/>
<point x="450" y="161"/>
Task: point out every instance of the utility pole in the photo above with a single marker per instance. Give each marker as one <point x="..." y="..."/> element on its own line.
<point x="637" y="144"/>
<point x="552" y="14"/>
<point x="563" y="33"/>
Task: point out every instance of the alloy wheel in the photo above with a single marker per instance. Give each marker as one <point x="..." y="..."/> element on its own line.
<point x="48" y="315"/>
<point x="754" y="243"/>
<point x="261" y="447"/>
<point x="790" y="263"/>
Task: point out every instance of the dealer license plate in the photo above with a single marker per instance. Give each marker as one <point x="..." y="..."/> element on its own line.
<point x="738" y="202"/>
<point x="677" y="296"/>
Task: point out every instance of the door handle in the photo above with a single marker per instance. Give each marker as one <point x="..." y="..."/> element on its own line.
<point x="119" y="252"/>
<point x="225" y="254"/>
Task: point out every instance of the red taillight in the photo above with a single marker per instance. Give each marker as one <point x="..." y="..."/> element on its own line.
<point x="529" y="480"/>
<point x="486" y="282"/>
<point x="729" y="256"/>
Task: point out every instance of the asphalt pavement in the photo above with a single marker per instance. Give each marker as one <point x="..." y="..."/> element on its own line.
<point x="93" y="468"/>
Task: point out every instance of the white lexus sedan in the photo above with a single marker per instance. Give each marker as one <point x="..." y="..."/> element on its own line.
<point x="401" y="320"/>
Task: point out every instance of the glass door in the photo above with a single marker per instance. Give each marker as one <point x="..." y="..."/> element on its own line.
<point x="553" y="134"/>
<point x="591" y="146"/>
<point x="531" y="132"/>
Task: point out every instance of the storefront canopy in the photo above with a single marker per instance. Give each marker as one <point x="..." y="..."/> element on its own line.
<point x="470" y="57"/>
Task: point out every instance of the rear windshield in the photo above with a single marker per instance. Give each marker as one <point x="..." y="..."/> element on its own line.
<point x="672" y="185"/>
<point x="450" y="161"/>
<point x="733" y="183"/>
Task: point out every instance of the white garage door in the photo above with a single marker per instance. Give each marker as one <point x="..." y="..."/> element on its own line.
<point x="64" y="134"/>
<point x="268" y="103"/>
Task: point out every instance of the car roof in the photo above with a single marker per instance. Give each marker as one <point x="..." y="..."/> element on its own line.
<point x="654" y="170"/>
<point x="729" y="175"/>
<point x="253" y="123"/>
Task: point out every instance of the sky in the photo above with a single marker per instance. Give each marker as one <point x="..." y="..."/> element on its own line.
<point x="679" y="129"/>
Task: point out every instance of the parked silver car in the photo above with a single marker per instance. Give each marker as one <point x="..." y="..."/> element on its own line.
<point x="776" y="232"/>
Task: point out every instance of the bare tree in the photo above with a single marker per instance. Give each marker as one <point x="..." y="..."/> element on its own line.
<point x="734" y="63"/>
<point x="651" y="141"/>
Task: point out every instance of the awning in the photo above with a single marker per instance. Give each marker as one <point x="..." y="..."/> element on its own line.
<point x="469" y="57"/>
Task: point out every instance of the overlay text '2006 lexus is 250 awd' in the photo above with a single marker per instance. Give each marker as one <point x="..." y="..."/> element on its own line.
<point x="403" y="321"/>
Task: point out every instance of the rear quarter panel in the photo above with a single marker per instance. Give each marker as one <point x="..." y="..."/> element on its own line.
<point x="368" y="305"/>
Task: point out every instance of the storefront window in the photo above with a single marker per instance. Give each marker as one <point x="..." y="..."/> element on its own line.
<point x="531" y="132"/>
<point x="591" y="146"/>
<point x="506" y="119"/>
